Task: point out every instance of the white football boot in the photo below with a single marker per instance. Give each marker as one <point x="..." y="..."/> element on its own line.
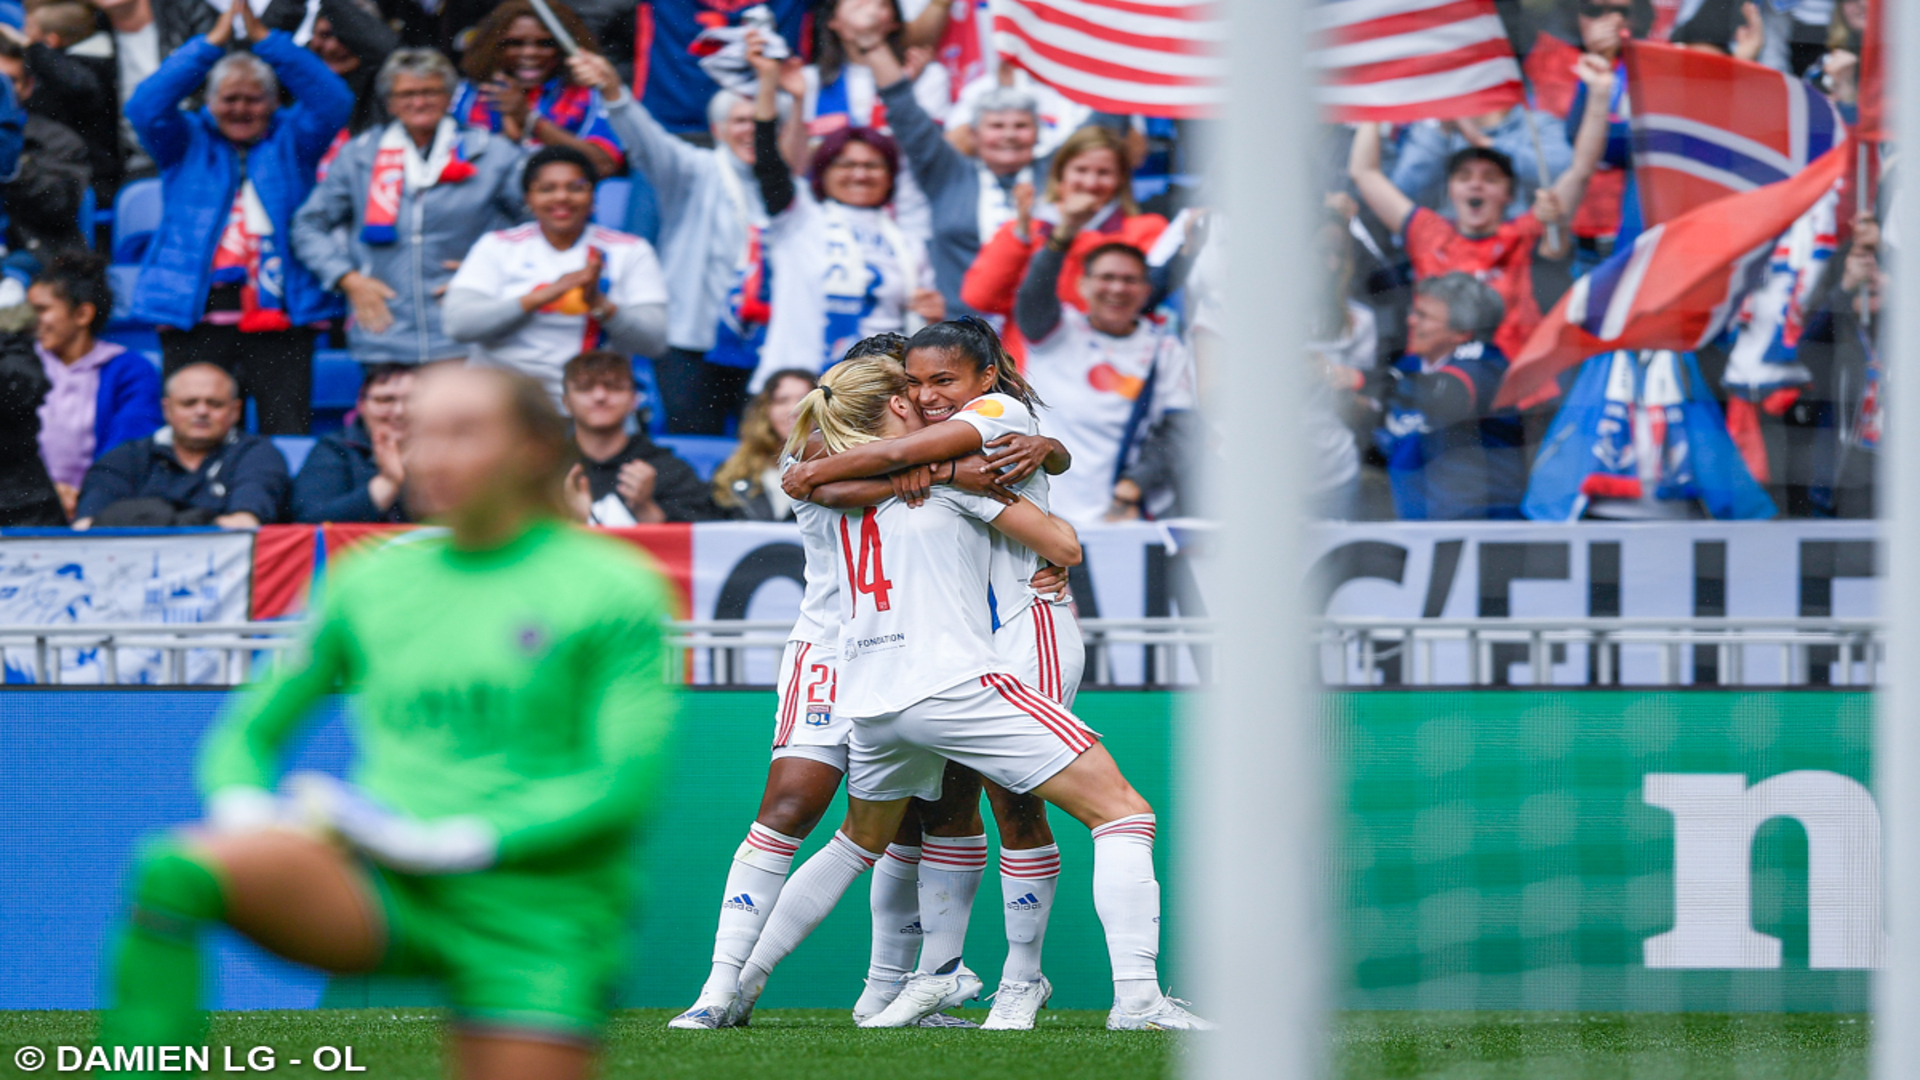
<point x="925" y="995"/>
<point x="1164" y="1015"/>
<point x="1016" y="1004"/>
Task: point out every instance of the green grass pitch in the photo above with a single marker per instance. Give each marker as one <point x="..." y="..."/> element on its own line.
<point x="398" y="1044"/>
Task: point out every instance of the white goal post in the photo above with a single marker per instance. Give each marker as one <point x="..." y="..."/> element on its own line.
<point x="1897" y="722"/>
<point x="1253" y="827"/>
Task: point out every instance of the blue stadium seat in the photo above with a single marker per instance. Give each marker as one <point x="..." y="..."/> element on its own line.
<point x="336" y="386"/>
<point x="651" y="403"/>
<point x="704" y="452"/>
<point x="141" y="339"/>
<point x="136" y="217"/>
<point x="121" y="280"/>
<point x="294" y="448"/>
<point x="610" y="203"/>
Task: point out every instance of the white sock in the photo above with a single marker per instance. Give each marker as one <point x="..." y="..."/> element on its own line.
<point x="950" y="872"/>
<point x="810" y="894"/>
<point x="1127" y="898"/>
<point x="896" y="918"/>
<point x="1028" y="880"/>
<point x="759" y="869"/>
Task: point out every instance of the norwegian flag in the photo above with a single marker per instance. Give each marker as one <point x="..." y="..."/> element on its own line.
<point x="1676" y="287"/>
<point x="1874" y="126"/>
<point x="1144" y="57"/>
<point x="1707" y="126"/>
<point x="1394" y="61"/>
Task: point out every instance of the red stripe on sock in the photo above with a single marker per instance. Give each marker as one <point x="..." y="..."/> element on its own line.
<point x="1143" y="829"/>
<point x="954" y="856"/>
<point x="767" y="840"/>
<point x="1035" y="872"/>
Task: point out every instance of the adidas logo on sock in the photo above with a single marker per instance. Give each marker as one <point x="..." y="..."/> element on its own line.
<point x="1028" y="902"/>
<point x="743" y="902"/>
<point x="913" y="928"/>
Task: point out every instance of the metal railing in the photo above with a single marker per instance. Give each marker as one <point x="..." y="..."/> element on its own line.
<point x="721" y="652"/>
<point x="1601" y="652"/>
<point x="1154" y="652"/>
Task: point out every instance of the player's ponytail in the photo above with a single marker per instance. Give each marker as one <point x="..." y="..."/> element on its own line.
<point x="850" y="404"/>
<point x="971" y="337"/>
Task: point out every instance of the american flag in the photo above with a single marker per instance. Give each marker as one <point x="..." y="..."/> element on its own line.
<point x="1395" y="61"/>
<point x="1142" y="57"/>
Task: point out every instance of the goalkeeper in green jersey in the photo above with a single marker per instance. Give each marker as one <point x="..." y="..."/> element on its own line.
<point x="510" y="711"/>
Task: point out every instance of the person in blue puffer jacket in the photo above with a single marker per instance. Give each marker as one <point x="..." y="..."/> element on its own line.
<point x="220" y="278"/>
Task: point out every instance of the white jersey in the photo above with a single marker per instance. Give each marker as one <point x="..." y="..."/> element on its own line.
<point x="914" y="620"/>
<point x="1092" y="384"/>
<point x="1012" y="563"/>
<point x="513" y="262"/>
<point x="819" y="621"/>
<point x="840" y="273"/>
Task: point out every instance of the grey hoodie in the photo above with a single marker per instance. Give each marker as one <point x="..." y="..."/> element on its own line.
<point x="435" y="229"/>
<point x="701" y="235"/>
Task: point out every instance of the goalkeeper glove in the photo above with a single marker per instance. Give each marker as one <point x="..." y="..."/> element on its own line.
<point x="451" y="845"/>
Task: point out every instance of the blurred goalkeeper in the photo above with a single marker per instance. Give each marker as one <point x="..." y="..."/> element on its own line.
<point x="510" y="714"/>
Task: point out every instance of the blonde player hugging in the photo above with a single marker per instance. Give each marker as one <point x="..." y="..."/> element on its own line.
<point x="922" y="684"/>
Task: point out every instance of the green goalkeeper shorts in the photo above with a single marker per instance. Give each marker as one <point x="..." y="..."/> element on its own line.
<point x="514" y="951"/>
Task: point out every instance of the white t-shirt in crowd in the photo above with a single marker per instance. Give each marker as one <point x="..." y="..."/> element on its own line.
<point x="514" y="262"/>
<point x="1336" y="456"/>
<point x="800" y="250"/>
<point x="138" y="55"/>
<point x="1060" y="116"/>
<point x="915" y="617"/>
<point x="1012" y="563"/>
<point x="1091" y="383"/>
<point x="819" y="621"/>
<point x="934" y="92"/>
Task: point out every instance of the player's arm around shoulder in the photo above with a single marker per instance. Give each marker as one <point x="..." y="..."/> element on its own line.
<point x="1023" y="521"/>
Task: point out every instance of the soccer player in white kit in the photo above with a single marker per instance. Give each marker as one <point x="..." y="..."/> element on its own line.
<point x="958" y="370"/>
<point x="809" y="743"/>
<point x="922" y="683"/>
<point x="809" y="759"/>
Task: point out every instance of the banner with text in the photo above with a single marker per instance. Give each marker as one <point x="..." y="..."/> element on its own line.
<point x="1490" y="571"/>
<point x="1608" y="850"/>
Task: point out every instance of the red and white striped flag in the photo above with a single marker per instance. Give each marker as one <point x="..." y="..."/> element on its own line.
<point x="1395" y="61"/>
<point x="1144" y="57"/>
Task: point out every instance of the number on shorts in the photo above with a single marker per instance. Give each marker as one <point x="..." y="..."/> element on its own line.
<point x="866" y="576"/>
<point x="822" y="676"/>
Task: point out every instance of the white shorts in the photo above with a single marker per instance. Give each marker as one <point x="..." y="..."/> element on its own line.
<point x="804" y="725"/>
<point x="1042" y="645"/>
<point x="994" y="725"/>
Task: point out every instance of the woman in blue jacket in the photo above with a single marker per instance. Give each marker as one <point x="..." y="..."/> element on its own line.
<point x="101" y="394"/>
<point x="219" y="278"/>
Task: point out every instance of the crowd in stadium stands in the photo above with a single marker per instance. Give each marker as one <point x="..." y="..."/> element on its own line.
<point x="678" y="246"/>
